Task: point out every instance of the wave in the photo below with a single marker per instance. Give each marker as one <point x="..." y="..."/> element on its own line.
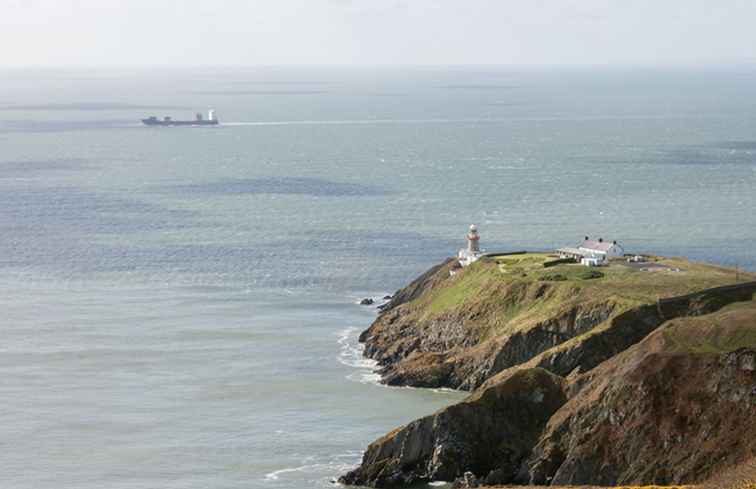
<point x="366" y="378"/>
<point x="351" y="355"/>
<point x="350" y="350"/>
<point x="318" y="470"/>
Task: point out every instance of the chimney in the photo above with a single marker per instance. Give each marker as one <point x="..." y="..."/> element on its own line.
<point x="601" y="240"/>
<point x="587" y="238"/>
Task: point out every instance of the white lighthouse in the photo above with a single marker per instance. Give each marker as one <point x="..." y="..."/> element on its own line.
<point x="472" y="252"/>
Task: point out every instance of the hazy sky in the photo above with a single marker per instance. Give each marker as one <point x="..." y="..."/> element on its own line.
<point x="369" y="32"/>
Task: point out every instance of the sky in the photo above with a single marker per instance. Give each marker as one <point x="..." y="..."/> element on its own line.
<point x="376" y="32"/>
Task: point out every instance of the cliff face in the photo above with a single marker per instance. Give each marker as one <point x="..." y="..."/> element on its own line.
<point x="576" y="380"/>
<point x="674" y="408"/>
<point x="489" y="433"/>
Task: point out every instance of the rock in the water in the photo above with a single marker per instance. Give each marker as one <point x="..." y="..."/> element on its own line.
<point x="386" y="297"/>
<point x="367" y="302"/>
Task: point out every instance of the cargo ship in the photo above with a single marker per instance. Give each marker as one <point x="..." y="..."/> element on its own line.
<point x="198" y="120"/>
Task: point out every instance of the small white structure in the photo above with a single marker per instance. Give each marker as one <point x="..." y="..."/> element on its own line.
<point x="211" y="115"/>
<point x="593" y="261"/>
<point x="472" y="252"/>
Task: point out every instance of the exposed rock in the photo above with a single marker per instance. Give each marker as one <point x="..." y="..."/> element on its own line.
<point x="675" y="408"/>
<point x="367" y="302"/>
<point x="467" y="481"/>
<point x="489" y="433"/>
<point x="581" y="354"/>
<point x="741" y="476"/>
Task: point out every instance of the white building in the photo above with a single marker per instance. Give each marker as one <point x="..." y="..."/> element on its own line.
<point x="593" y="252"/>
<point x="470" y="254"/>
<point x="602" y="248"/>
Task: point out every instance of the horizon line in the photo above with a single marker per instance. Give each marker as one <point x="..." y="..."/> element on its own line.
<point x="749" y="63"/>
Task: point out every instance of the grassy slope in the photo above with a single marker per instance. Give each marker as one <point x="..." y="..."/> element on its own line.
<point x="509" y="293"/>
<point x="728" y="329"/>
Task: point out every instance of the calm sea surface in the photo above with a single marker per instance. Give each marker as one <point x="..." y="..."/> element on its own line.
<point x="178" y="304"/>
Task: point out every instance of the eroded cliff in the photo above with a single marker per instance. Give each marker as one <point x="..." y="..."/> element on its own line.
<point x="489" y="433"/>
<point x="457" y="328"/>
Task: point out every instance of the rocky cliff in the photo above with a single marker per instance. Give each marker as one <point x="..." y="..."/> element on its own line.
<point x="674" y="408"/>
<point x="489" y="433"/>
<point x="627" y="376"/>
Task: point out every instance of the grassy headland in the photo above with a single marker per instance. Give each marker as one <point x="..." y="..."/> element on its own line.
<point x="656" y="359"/>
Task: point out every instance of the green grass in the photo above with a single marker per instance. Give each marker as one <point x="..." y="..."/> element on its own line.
<point x="552" y="277"/>
<point x="524" y="258"/>
<point x="521" y="297"/>
<point x="646" y="286"/>
<point x="522" y="264"/>
<point x="469" y="283"/>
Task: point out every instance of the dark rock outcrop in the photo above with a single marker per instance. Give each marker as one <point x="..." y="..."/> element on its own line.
<point x="489" y="434"/>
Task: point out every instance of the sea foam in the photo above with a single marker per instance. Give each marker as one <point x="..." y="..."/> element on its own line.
<point x="351" y="355"/>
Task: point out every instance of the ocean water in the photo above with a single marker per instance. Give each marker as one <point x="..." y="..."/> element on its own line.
<point x="179" y="304"/>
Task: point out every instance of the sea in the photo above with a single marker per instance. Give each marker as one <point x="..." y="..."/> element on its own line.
<point x="179" y="305"/>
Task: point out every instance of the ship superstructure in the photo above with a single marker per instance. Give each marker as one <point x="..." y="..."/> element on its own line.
<point x="211" y="120"/>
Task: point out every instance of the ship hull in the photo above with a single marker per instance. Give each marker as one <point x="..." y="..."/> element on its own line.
<point x="158" y="122"/>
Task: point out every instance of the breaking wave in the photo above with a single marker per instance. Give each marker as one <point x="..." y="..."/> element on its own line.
<point x="350" y="354"/>
<point x="316" y="469"/>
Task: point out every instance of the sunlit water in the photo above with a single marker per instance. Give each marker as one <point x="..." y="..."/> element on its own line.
<point x="179" y="304"/>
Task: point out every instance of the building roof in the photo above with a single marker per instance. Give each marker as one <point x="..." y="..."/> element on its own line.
<point x="591" y="244"/>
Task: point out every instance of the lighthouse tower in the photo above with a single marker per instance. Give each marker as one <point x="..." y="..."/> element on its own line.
<point x="472" y="252"/>
<point x="473" y="240"/>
